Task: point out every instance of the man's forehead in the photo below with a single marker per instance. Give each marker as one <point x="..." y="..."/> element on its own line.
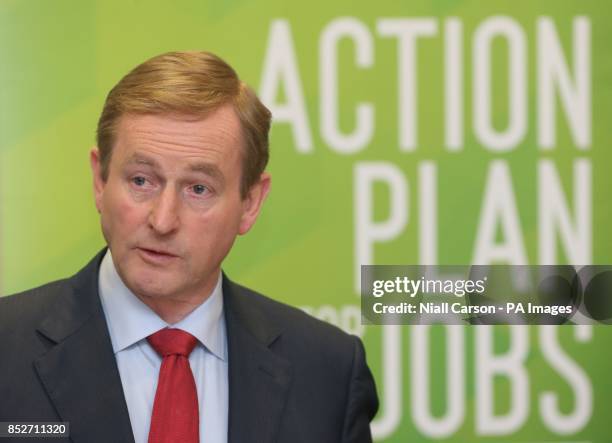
<point x="217" y="134"/>
<point x="222" y="122"/>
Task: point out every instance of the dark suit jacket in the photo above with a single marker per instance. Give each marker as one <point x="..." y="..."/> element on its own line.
<point x="292" y="378"/>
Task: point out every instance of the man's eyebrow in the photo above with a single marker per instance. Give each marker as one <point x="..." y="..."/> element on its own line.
<point x="206" y="168"/>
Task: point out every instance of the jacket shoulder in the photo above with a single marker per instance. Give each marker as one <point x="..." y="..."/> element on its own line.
<point x="30" y="306"/>
<point x="332" y="386"/>
<point x="297" y="325"/>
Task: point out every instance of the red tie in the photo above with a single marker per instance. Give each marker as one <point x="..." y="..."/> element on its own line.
<point x="175" y="410"/>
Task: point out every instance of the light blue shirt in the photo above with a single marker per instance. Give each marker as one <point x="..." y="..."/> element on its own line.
<point x="130" y="321"/>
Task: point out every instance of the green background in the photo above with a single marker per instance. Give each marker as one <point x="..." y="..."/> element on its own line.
<point x="59" y="59"/>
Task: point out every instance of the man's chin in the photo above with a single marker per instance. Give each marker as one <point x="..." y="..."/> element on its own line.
<point x="151" y="285"/>
<point x="146" y="292"/>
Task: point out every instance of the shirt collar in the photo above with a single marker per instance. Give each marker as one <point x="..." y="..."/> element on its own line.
<point x="130" y="320"/>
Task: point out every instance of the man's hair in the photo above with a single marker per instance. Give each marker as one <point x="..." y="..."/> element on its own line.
<point x="193" y="84"/>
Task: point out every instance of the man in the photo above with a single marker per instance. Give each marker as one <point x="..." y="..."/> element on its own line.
<point x="150" y="341"/>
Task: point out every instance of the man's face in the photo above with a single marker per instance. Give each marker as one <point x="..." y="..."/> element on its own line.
<point x="171" y="206"/>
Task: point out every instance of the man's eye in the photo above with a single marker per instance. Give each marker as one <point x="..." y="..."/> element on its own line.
<point x="199" y="189"/>
<point x="139" y="181"/>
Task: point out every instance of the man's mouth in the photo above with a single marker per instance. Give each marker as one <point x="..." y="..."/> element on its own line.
<point x="158" y="251"/>
<point x="156" y="256"/>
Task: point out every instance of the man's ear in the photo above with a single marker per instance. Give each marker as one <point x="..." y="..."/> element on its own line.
<point x="253" y="202"/>
<point x="98" y="182"/>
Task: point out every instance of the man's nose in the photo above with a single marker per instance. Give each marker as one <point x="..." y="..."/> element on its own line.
<point x="164" y="215"/>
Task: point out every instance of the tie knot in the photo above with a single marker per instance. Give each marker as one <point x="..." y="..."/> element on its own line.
<point x="172" y="341"/>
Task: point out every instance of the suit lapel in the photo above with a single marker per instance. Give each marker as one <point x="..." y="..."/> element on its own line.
<point x="79" y="371"/>
<point x="258" y="378"/>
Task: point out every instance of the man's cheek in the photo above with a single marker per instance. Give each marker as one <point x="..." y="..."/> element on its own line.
<point x="128" y="214"/>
